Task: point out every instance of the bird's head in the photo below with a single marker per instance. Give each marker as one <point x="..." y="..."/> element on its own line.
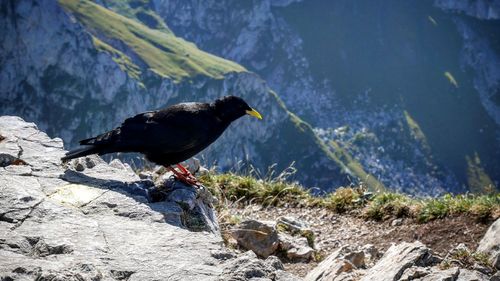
<point x="230" y="108"/>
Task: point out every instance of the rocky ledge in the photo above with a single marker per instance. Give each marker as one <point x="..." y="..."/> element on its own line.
<point x="90" y="220"/>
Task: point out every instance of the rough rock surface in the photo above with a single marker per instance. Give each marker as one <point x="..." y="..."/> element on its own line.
<point x="260" y="237"/>
<point x="338" y="266"/>
<point x="296" y="248"/>
<point x="397" y="259"/>
<point x="97" y="221"/>
<point x="248" y="267"/>
<point x="490" y="244"/>
<point x="470" y="275"/>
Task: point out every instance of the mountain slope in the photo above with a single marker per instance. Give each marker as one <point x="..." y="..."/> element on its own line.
<point x="81" y="69"/>
<point x="164" y="53"/>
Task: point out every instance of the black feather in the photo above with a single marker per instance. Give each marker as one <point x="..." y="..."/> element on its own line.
<point x="170" y="135"/>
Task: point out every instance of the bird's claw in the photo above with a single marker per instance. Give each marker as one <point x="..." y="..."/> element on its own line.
<point x="184" y="176"/>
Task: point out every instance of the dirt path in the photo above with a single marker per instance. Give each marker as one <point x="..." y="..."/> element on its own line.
<point x="333" y="231"/>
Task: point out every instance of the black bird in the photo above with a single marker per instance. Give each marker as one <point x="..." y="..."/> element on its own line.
<point x="170" y="135"/>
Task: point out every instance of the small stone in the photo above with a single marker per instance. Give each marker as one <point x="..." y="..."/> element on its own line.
<point x="90" y="162"/>
<point x="146" y="175"/>
<point x="274" y="262"/>
<point x="370" y="251"/>
<point x="357" y="258"/>
<point x="79" y="167"/>
<point x="397" y="222"/>
<point x="259" y="236"/>
<point x="296" y="248"/>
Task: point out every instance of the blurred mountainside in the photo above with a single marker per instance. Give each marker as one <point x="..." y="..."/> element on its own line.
<point x="403" y="95"/>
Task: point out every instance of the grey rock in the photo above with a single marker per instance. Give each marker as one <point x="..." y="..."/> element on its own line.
<point x="337" y="266"/>
<point x="490" y="244"/>
<point x="258" y="236"/>
<point x="193" y="165"/>
<point x="296" y="248"/>
<point x="98" y="224"/>
<point x="495" y="277"/>
<point x="397" y="222"/>
<point x="435" y="274"/>
<point x="249" y="267"/>
<point x="371" y="252"/>
<point x="294" y="226"/>
<point x="397" y="259"/>
<point x="414" y="273"/>
<point x="471" y="275"/>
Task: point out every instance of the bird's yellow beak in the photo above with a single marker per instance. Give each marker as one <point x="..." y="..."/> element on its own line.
<point x="254" y="113"/>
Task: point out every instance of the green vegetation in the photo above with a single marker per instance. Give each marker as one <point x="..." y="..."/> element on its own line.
<point x="466" y="259"/>
<point x="416" y="132"/>
<point x="163" y="52"/>
<point x="432" y="20"/>
<point x="120" y="58"/>
<point x="477" y="178"/>
<point x="138" y="10"/>
<point x="353" y="167"/>
<point x="451" y="79"/>
<point x="247" y="189"/>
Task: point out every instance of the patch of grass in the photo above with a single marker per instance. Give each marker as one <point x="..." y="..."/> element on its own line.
<point x="354" y="168"/>
<point x="482" y="207"/>
<point x="139" y="10"/>
<point x="477" y="178"/>
<point x="416" y="132"/>
<point x="344" y="199"/>
<point x="388" y="205"/>
<point x="163" y="52"/>
<point x="247" y="189"/>
<point x="466" y="259"/>
<point x="119" y="57"/>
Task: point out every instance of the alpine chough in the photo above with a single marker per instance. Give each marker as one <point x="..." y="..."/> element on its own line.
<point x="170" y="135"/>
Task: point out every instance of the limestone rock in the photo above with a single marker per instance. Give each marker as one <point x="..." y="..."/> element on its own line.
<point x="433" y="274"/>
<point x="249" y="267"/>
<point x="337" y="266"/>
<point x="490" y="244"/>
<point x="258" y="236"/>
<point x="471" y="275"/>
<point x="100" y="223"/>
<point x="397" y="259"/>
<point x="294" y="226"/>
<point x="296" y="248"/>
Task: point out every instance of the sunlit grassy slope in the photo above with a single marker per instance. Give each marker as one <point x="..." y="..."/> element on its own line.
<point x="163" y="52"/>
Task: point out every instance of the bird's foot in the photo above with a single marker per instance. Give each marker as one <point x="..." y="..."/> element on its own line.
<point x="184" y="175"/>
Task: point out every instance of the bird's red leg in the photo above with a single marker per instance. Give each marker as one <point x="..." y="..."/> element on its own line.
<point x="184" y="175"/>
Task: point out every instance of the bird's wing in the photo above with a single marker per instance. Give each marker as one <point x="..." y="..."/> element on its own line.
<point x="133" y="125"/>
<point x="174" y="129"/>
<point x="164" y="131"/>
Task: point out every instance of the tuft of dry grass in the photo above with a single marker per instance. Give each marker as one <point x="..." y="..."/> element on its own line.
<point x="242" y="190"/>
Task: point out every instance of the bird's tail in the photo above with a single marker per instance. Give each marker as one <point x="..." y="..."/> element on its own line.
<point x="79" y="152"/>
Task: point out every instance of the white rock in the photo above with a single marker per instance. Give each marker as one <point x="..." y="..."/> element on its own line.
<point x="490" y="244"/>
<point x="397" y="259"/>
